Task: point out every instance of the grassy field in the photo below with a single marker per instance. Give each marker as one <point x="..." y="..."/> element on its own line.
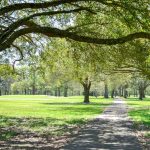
<point x="46" y="114"/>
<point x="140" y="112"/>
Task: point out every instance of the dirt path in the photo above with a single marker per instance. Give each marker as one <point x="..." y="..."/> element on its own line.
<point x="110" y="131"/>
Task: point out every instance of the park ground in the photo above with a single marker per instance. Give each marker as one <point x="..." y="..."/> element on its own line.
<point x="56" y="119"/>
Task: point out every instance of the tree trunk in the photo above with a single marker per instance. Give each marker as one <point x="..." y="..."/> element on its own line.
<point x="25" y="91"/>
<point x="55" y="91"/>
<point x="86" y="94"/>
<point x="0" y="92"/>
<point x="58" y="90"/>
<point x="33" y="89"/>
<point x="66" y="91"/>
<point x="125" y="93"/>
<point x="141" y="92"/>
<point x="106" y="92"/>
<point x="134" y="93"/>
<point x="79" y="93"/>
<point x="112" y="93"/>
<point x="86" y="85"/>
<point x="122" y="91"/>
<point x="5" y="91"/>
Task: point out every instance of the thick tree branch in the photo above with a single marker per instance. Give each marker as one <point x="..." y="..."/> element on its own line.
<point x="21" y="22"/>
<point x="20" y="6"/>
<point x="54" y="32"/>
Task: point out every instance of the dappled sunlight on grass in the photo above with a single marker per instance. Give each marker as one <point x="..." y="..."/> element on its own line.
<point x="44" y="112"/>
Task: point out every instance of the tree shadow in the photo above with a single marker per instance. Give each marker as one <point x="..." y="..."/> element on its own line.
<point x="101" y="134"/>
<point x="137" y="99"/>
<point x="76" y="103"/>
<point x="15" y="134"/>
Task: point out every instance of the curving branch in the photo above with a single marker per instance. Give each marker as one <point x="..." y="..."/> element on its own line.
<point x="21" y="56"/>
<point x="21" y="22"/>
<point x="54" y="32"/>
<point x="21" y="6"/>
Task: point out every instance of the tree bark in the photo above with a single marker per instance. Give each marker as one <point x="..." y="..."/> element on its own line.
<point x="58" y="91"/>
<point x="33" y="89"/>
<point x="134" y="93"/>
<point x="119" y="91"/>
<point x="141" y="93"/>
<point x="55" y="91"/>
<point x="106" y="94"/>
<point x="66" y="91"/>
<point x="25" y="91"/>
<point x="125" y="93"/>
<point x="86" y="94"/>
<point x="122" y="91"/>
<point x="86" y="85"/>
<point x="112" y="93"/>
<point x="142" y="88"/>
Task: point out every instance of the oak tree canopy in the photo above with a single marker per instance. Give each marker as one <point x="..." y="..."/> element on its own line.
<point x="69" y="19"/>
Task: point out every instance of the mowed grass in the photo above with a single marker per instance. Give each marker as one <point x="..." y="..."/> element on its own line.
<point x="140" y="110"/>
<point x="45" y="113"/>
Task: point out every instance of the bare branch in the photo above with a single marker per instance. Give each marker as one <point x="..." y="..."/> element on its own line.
<point x="21" y="56"/>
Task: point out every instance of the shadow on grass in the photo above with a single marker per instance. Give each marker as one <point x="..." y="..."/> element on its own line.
<point x="37" y="122"/>
<point x="70" y="114"/>
<point x="12" y="126"/>
<point x="6" y="134"/>
<point x="78" y="103"/>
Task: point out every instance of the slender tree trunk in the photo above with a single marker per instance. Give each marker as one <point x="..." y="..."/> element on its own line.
<point x="79" y="93"/>
<point x="5" y="91"/>
<point x="58" y="90"/>
<point x="125" y="93"/>
<point x="66" y="91"/>
<point x="134" y="92"/>
<point x="55" y="91"/>
<point x="106" y="91"/>
<point x="25" y="91"/>
<point x="0" y="92"/>
<point x="112" y="93"/>
<point x="33" y="89"/>
<point x="122" y="91"/>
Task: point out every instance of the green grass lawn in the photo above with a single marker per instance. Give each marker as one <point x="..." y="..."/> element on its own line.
<point x="140" y="112"/>
<point x="40" y="113"/>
